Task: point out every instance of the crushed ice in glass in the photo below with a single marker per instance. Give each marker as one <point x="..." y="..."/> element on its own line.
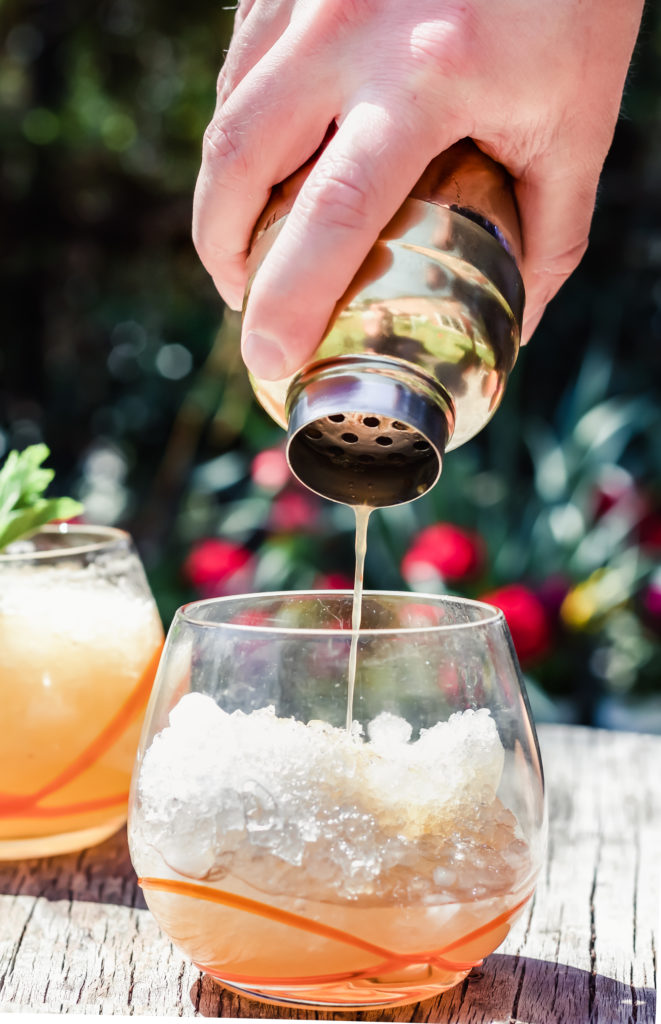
<point x="314" y="810"/>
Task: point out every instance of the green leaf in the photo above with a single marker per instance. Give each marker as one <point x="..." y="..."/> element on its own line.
<point x="23" y="507"/>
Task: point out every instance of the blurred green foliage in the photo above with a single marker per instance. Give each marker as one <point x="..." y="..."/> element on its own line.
<point x="112" y="351"/>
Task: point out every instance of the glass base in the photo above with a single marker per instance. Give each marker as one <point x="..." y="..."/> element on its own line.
<point x="62" y="842"/>
<point x="367" y="994"/>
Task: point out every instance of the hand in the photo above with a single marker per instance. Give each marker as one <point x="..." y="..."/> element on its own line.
<point x="537" y="85"/>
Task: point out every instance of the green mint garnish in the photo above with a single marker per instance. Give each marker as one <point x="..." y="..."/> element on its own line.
<point x="23" y="508"/>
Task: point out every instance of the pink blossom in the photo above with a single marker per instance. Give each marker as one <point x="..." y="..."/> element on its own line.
<point x="269" y="469"/>
<point x="293" y="511"/>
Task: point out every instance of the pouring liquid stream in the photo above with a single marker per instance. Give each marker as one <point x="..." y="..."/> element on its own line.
<point x="362" y="513"/>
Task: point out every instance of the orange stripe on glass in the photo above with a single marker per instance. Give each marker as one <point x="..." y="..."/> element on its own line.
<point x="388" y="960"/>
<point x="28" y="806"/>
<point x="82" y="807"/>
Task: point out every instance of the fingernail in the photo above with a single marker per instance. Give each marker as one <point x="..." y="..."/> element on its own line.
<point x="263" y="356"/>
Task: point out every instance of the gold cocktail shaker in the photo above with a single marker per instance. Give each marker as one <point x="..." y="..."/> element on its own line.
<point x="419" y="349"/>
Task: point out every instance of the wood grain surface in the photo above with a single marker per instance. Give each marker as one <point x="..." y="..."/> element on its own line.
<point x="75" y="936"/>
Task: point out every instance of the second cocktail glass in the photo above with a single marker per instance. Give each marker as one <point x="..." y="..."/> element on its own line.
<point x="80" y="639"/>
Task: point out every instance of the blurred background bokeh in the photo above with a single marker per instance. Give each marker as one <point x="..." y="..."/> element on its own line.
<point x="116" y="351"/>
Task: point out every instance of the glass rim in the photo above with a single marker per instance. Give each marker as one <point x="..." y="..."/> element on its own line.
<point x="493" y="615"/>
<point x="107" y="537"/>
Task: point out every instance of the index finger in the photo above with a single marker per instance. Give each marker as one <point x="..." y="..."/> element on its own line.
<point x="257" y="138"/>
<point x="356" y="186"/>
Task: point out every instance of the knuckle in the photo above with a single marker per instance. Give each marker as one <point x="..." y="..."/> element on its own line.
<point x="222" y="145"/>
<point x="337" y="199"/>
<point x="444" y="44"/>
<point x="346" y="15"/>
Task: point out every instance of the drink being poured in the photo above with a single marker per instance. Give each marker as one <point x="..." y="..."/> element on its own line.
<point x="362" y="513"/>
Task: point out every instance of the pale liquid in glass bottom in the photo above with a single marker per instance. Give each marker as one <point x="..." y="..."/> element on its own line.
<point x="77" y="665"/>
<point x="297" y="951"/>
<point x="293" y="950"/>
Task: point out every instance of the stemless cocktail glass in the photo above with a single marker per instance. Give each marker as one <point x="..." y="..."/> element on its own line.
<point x="80" y="639"/>
<point x="306" y="864"/>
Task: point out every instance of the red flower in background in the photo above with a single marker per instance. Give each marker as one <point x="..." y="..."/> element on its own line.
<point x="444" y="550"/>
<point x="526" y="617"/>
<point x="214" y="563"/>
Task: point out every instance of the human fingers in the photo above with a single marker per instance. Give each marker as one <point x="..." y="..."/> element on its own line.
<point x="356" y="186"/>
<point x="245" y="155"/>
<point x="567" y="133"/>
<point x="555" y="207"/>
<point x="258" y="24"/>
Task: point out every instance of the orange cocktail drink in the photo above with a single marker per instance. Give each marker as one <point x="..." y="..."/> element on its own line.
<point x="346" y="953"/>
<point x="80" y="639"/>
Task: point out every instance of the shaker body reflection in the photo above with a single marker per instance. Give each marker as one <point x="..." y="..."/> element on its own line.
<point x="306" y="864"/>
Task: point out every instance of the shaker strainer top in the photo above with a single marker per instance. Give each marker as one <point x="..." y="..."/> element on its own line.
<point x="365" y="438"/>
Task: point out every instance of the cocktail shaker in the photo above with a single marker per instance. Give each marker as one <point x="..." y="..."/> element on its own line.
<point x="417" y="354"/>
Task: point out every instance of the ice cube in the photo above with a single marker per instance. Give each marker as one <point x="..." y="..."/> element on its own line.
<point x="315" y="810"/>
<point x="387" y="731"/>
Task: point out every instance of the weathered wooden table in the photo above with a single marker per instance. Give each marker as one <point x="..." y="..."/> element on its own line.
<point x="75" y="935"/>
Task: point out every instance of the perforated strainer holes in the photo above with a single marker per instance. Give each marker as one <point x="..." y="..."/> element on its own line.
<point x="313" y="433"/>
<point x="421" y="446"/>
<point x="371" y="421"/>
<point x="350" y="438"/>
<point x="337" y="417"/>
<point x="399" y="426"/>
<point x="384" y="440"/>
<point x="366" y="458"/>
